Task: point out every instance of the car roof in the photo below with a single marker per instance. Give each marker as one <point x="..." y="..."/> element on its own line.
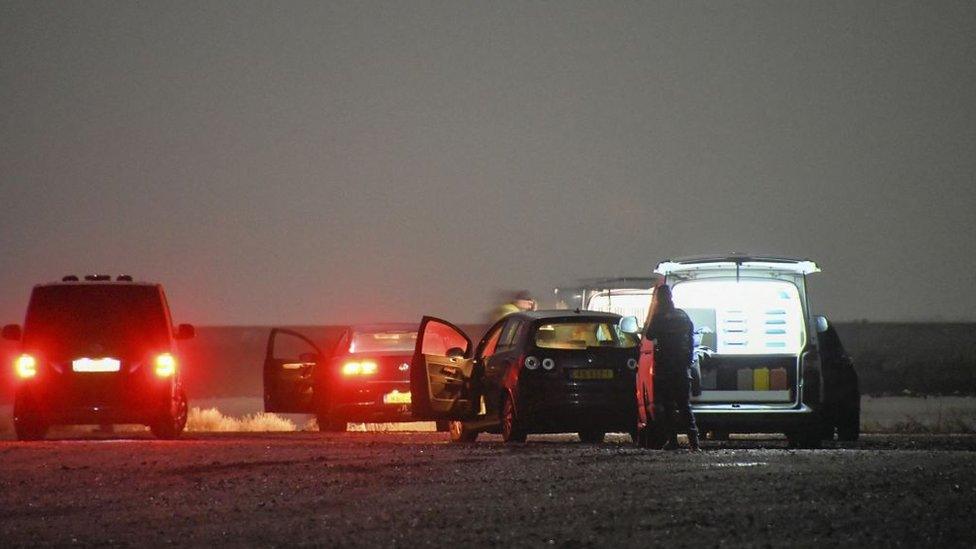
<point x="385" y="327"/>
<point x="550" y="314"/>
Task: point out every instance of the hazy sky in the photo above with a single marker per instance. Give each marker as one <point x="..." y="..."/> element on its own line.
<point x="288" y="162"/>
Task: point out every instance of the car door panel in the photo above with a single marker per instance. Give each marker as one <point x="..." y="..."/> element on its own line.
<point x="289" y="372"/>
<point x="441" y="372"/>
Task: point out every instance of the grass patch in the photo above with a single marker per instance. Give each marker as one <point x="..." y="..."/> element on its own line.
<point x="211" y="420"/>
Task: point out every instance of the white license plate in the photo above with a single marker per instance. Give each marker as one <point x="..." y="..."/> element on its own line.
<point x="96" y="365"/>
<point x="396" y="397"/>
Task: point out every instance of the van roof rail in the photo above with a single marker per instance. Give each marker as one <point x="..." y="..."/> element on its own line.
<point x="69" y="278"/>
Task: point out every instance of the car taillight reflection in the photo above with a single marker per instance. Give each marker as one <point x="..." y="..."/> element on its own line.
<point x="25" y="366"/>
<point x="165" y="365"/>
<point x="366" y="367"/>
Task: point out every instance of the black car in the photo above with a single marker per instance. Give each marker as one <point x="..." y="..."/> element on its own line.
<point x="98" y="351"/>
<point x="532" y="372"/>
<point x="365" y="378"/>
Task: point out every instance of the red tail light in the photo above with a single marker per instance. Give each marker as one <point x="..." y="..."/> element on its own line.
<point x="165" y="365"/>
<point x="25" y="366"/>
<point x="365" y="367"/>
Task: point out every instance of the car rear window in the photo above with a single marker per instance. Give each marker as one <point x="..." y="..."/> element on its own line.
<point x="79" y="320"/>
<point x="393" y="341"/>
<point x="580" y="335"/>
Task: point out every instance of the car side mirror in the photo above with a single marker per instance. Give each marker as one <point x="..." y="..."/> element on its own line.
<point x="822" y="324"/>
<point x="185" y="331"/>
<point x="455" y="352"/>
<point x="12" y="332"/>
<point x="628" y="325"/>
<point x="310" y="358"/>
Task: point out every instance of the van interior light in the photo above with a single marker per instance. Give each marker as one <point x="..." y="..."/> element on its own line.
<point x="165" y="365"/>
<point x="25" y="366"/>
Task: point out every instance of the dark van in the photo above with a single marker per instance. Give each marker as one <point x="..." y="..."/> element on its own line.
<point x="98" y="351"/>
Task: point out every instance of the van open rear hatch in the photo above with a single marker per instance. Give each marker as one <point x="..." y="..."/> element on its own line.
<point x="750" y="316"/>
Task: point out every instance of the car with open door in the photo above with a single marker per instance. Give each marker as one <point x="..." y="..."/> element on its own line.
<point x="98" y="351"/>
<point x="759" y="355"/>
<point x="532" y="372"/>
<point x="365" y="377"/>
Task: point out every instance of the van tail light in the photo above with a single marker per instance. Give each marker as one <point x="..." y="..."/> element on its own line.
<point x="25" y="366"/>
<point x="165" y="365"/>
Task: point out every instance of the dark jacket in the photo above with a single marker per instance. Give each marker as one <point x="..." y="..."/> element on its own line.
<point x="675" y="341"/>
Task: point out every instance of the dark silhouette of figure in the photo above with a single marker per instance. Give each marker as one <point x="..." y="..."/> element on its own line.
<point x="673" y="333"/>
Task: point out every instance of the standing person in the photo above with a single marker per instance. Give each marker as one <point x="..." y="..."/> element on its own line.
<point x="673" y="333"/>
<point x="522" y="301"/>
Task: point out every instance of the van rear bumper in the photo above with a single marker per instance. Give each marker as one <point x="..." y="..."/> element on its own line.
<point x="59" y="408"/>
<point x="755" y="420"/>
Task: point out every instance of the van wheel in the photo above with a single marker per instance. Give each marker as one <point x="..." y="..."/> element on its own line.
<point x="849" y="425"/>
<point x="807" y="439"/>
<point x="460" y="433"/>
<point x="173" y="421"/>
<point x="591" y="437"/>
<point x="28" y="422"/>
<point x="511" y="429"/>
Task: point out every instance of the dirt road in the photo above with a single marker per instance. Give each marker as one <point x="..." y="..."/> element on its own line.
<point x="376" y="489"/>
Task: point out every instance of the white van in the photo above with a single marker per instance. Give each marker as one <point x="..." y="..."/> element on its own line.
<point x="761" y="370"/>
<point x="625" y="296"/>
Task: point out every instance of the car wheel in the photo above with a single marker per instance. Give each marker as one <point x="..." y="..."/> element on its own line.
<point x="173" y="421"/>
<point x="511" y="430"/>
<point x="591" y="437"/>
<point x="28" y="422"/>
<point x="719" y="435"/>
<point x="460" y="433"/>
<point x="328" y="424"/>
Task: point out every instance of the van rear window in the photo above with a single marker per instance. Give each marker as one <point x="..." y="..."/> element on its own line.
<point x="744" y="317"/>
<point x="77" y="320"/>
<point x="580" y="335"/>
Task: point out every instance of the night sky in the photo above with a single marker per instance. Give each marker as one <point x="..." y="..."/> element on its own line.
<point x="310" y="163"/>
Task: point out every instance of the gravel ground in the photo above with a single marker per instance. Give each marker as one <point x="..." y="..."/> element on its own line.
<point x="384" y="489"/>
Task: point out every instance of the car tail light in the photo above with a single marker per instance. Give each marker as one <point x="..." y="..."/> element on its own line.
<point x="25" y="366"/>
<point x="548" y="364"/>
<point x="165" y="365"/>
<point x="363" y="368"/>
<point x="531" y="362"/>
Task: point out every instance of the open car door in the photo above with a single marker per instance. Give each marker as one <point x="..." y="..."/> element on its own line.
<point x="289" y="363"/>
<point x="440" y="372"/>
